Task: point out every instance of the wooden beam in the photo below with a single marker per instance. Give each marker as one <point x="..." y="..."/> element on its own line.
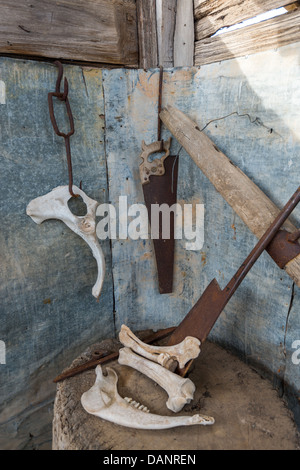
<point x="147" y="34"/>
<point x="212" y="15"/>
<point x="250" y="203"/>
<point x="166" y="17"/>
<point x="184" y="37"/>
<point x="91" y="30"/>
<point x="269" y="34"/>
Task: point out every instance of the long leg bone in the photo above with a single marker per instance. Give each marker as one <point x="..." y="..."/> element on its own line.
<point x="103" y="400"/>
<point x="54" y="205"/>
<point x="180" y="390"/>
<point x="183" y="352"/>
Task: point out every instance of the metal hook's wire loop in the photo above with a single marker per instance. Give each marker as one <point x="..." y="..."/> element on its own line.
<point x="63" y="97"/>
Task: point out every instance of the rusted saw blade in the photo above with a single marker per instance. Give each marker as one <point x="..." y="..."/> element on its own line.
<point x="159" y="182"/>
<point x="202" y="317"/>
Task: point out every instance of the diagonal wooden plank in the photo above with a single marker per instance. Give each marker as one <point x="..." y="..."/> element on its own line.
<point x="269" y="34"/>
<point x="242" y="194"/>
<point x="212" y="15"/>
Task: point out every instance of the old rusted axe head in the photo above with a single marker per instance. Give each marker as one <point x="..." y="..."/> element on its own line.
<point x="203" y="315"/>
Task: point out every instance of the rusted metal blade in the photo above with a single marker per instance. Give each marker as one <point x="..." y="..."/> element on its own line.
<point x="202" y="317"/>
<point x="162" y="189"/>
<point x="283" y="248"/>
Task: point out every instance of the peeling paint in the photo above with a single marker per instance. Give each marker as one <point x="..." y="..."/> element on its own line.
<point x="146" y="256"/>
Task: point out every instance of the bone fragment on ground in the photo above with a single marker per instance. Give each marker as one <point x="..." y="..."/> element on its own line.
<point x="183" y="352"/>
<point x="104" y="401"/>
<point x="180" y="390"/>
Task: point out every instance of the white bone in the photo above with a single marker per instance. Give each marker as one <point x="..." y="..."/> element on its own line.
<point x="183" y="352"/>
<point x="54" y="205"/>
<point x="103" y="400"/>
<point x="180" y="390"/>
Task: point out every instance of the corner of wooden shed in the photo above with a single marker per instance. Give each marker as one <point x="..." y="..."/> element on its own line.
<point x="229" y="100"/>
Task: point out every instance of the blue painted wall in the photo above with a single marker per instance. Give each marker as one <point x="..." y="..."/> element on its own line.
<point x="47" y="272"/>
<point x="48" y="315"/>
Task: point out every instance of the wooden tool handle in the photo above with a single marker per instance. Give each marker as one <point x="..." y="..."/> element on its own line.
<point x="250" y="203"/>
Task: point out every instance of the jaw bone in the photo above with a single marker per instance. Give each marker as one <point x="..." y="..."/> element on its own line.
<point x="54" y="205"/>
<point x="183" y="352"/>
<point x="103" y="400"/>
<point x="180" y="390"/>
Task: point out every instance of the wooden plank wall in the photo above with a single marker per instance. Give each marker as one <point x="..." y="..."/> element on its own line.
<point x="48" y="315"/>
<point x="212" y="15"/>
<point x="47" y="311"/>
<point x="147" y="34"/>
<point x="165" y="33"/>
<point x="142" y="33"/>
<point x="129" y="33"/>
<point x="99" y="31"/>
<point x="253" y="118"/>
<point x="258" y="132"/>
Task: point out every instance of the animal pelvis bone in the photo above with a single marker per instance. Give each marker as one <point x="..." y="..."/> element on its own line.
<point x="54" y="205"/>
<point x="180" y="390"/>
<point x="103" y="400"/>
<point x="183" y="352"/>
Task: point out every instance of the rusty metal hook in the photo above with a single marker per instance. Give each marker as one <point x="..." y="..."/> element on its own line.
<point x="52" y="116"/>
<point x="63" y="97"/>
